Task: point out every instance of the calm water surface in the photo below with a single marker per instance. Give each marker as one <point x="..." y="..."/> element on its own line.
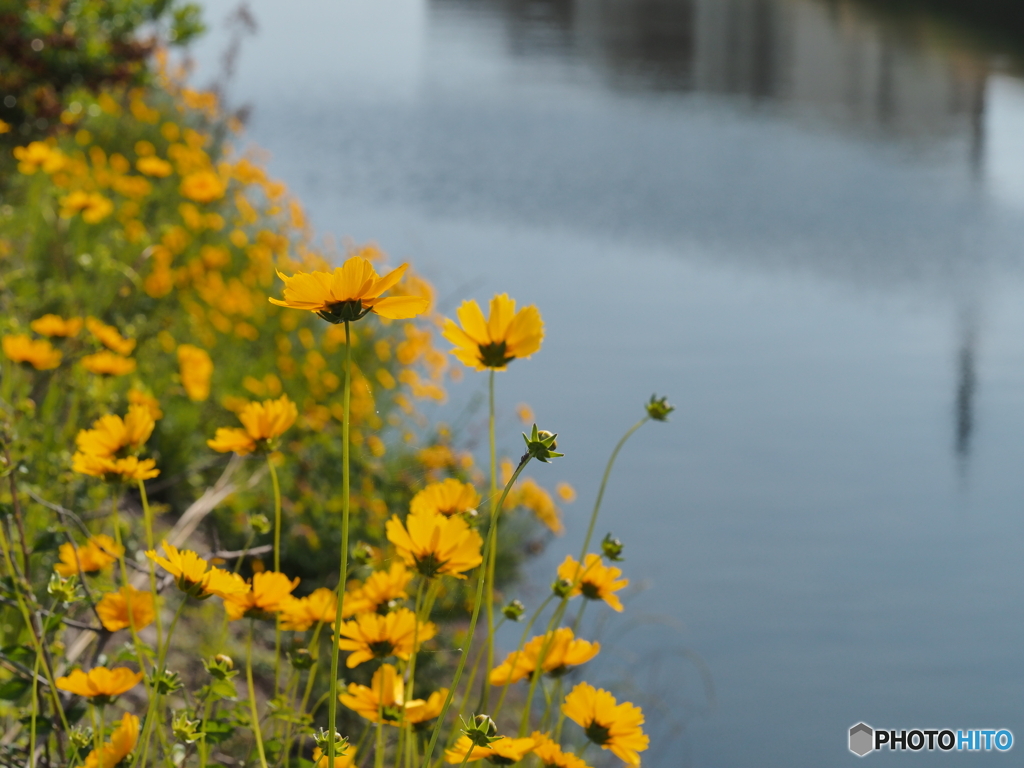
<point x="802" y="223"/>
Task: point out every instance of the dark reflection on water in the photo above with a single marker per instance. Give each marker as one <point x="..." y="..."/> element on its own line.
<point x="801" y="219"/>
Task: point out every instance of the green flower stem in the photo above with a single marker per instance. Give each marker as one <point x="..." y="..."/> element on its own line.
<point x="604" y="482"/>
<point x="411" y="684"/>
<point x="476" y="614"/>
<point x="127" y="594"/>
<point x="35" y="712"/>
<point x="147" y="516"/>
<point x="311" y="679"/>
<point x="332" y="704"/>
<point x="519" y="650"/>
<point x="378" y="746"/>
<point x="153" y="711"/>
<point x="252" y="697"/>
<point x="476" y="668"/>
<point x="468" y="753"/>
<point x="26" y="616"/>
<point x="277" y="568"/>
<point x="485" y="699"/>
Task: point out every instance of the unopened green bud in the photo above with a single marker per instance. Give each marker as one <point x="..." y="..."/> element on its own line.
<point x="260" y="524"/>
<point x="514" y="611"/>
<point x="562" y="588"/>
<point x="63" y="590"/>
<point x="166" y="682"/>
<point x="541" y="445"/>
<point x="612" y="548"/>
<point x="80" y="737"/>
<point x="300" y="658"/>
<point x="658" y="408"/>
<point x="184" y="729"/>
<point x="481" y="731"/>
<point x="323" y="740"/>
<point x="362" y="553"/>
<point x="220" y="667"/>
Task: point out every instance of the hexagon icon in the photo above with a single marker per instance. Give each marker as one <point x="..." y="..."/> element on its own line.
<point x="862" y="739"/>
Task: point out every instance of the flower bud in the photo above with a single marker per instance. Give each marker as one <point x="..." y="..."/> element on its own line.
<point x="514" y="611"/>
<point x="63" y="590"/>
<point x="300" y="658"/>
<point x="220" y="667"/>
<point x="323" y="740"/>
<point x="362" y="553"/>
<point x="658" y="408"/>
<point x="184" y="729"/>
<point x="166" y="682"/>
<point x="481" y="731"/>
<point x="80" y="738"/>
<point x="541" y="445"/>
<point x="562" y="588"/>
<point x="612" y="548"/>
<point x="260" y="524"/>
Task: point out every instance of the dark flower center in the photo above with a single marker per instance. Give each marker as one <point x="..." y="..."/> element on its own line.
<point x="391" y="714"/>
<point x="342" y="311"/>
<point x="381" y="648"/>
<point x="598" y="733"/>
<point x="494" y="355"/>
<point x="558" y="671"/>
<point x="429" y="565"/>
<point x="499" y="760"/>
<point x="590" y="590"/>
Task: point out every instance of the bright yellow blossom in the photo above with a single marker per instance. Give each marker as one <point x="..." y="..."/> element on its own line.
<point x="55" y="325"/>
<point x="93" y="206"/>
<point x="126" y="469"/>
<point x="563" y="651"/>
<point x="382" y="701"/>
<point x="147" y="401"/>
<point x="349" y="292"/>
<point x="379" y="591"/>
<point x="108" y="335"/>
<point x="264" y="422"/>
<point x="372" y="636"/>
<point x="110" y="434"/>
<point x="97" y="553"/>
<point x="154" y="166"/>
<point x="504" y="751"/>
<point x="496" y="341"/>
<point x="436" y="545"/>
<point x="113" y="609"/>
<point x="270" y="590"/>
<point x="106" y="363"/>
<point x="597" y="581"/>
<point x="203" y="187"/>
<point x="99" y="682"/>
<point x="194" y="574"/>
<point x="550" y="753"/>
<point x="608" y="724"/>
<point x="196" y="368"/>
<point x="301" y="613"/>
<point x="38" y="353"/>
<point x="450" y="497"/>
<point x="122" y="743"/>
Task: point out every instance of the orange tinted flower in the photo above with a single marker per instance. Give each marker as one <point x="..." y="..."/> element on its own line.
<point x="372" y="636"/>
<point x="610" y="725"/>
<point x="108" y="336"/>
<point x="301" y="613"/>
<point x="264" y="422"/>
<point x="194" y="575"/>
<point x="113" y="609"/>
<point x="436" y="545"/>
<point x="55" y="325"/>
<point x="550" y="753"/>
<point x="38" y="353"/>
<point x="270" y="590"/>
<point x="562" y="651"/>
<point x="196" y="368"/>
<point x="203" y="187"/>
<point x="379" y="591"/>
<point x="97" y="553"/>
<point x="108" y="364"/>
<point x="122" y="743"/>
<point x="449" y="497"/>
<point x="597" y="581"/>
<point x="99" y="682"/>
<point x="504" y="751"/>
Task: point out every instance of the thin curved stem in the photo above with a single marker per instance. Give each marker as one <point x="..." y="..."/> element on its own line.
<point x="277" y="568"/>
<point x="476" y="614"/>
<point x="332" y="704"/>
<point x="492" y="556"/>
<point x="519" y="650"/>
<point x="252" y="698"/>
<point x="147" y="516"/>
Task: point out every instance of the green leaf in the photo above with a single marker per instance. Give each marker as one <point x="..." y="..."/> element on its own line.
<point x="217" y="731"/>
<point x="13" y="689"/>
<point x="19" y="654"/>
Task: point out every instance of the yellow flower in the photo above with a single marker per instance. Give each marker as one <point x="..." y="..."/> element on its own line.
<point x="269" y="591"/>
<point x="147" y="401"/>
<point x="608" y="724"/>
<point x="382" y="701"/>
<point x="126" y="469"/>
<point x="321" y="760"/>
<point x="563" y="651"/>
<point x="301" y="613"/>
<point x="95" y="555"/>
<point x="203" y="187"/>
<point x="55" y="325"/>
<point x="93" y="206"/>
<point x="419" y="711"/>
<point x="122" y="742"/>
<point x="113" y="609"/>
<point x="434" y="544"/>
<point x="372" y="636"/>
<point x="111" y="434"/>
<point x="106" y="363"/>
<point x="530" y="495"/>
<point x="99" y="682"/>
<point x="194" y="574"/>
<point x="109" y="336"/>
<point x="38" y="353"/>
<point x="597" y="580"/>
<point x="38" y="154"/>
<point x="498" y="340"/>
<point x="450" y="497"/>
<point x="504" y="751"/>
<point x="378" y="592"/>
<point x="5" y="127"/>
<point x="566" y="492"/>
<point x="264" y="422"/>
<point x="153" y="166"/>
<point x="551" y="755"/>
<point x="349" y="292"/>
<point x="196" y="368"/>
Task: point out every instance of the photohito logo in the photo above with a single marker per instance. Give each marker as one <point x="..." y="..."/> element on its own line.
<point x="865" y="739"/>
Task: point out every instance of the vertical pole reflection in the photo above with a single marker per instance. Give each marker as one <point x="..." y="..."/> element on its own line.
<point x="965" y="393"/>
